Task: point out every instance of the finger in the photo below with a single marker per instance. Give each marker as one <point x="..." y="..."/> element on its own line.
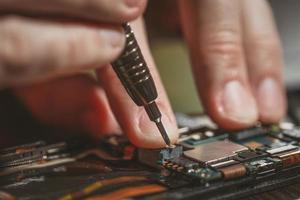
<point x="32" y="49"/>
<point x="213" y="31"/>
<point x="100" y="10"/>
<point x="264" y="59"/>
<point x="133" y="119"/>
<point x="74" y="103"/>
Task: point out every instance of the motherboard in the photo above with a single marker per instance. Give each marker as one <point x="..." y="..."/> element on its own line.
<point x="206" y="163"/>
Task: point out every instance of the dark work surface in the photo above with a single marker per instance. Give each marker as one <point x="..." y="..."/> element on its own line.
<point x="285" y="193"/>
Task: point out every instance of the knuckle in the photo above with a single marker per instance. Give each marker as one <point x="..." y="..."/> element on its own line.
<point x="267" y="52"/>
<point x="224" y="48"/>
<point x="67" y="53"/>
<point x="126" y="14"/>
<point x="266" y="44"/>
<point x="81" y="50"/>
<point x="14" y="43"/>
<point x="108" y="50"/>
<point x="14" y="50"/>
<point x="74" y="49"/>
<point x="225" y="45"/>
<point x="264" y="39"/>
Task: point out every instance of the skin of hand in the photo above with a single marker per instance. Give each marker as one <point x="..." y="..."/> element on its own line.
<point x="55" y="55"/>
<point x="237" y="60"/>
<point x="235" y="51"/>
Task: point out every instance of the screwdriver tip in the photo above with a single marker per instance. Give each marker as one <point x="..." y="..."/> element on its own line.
<point x="163" y="133"/>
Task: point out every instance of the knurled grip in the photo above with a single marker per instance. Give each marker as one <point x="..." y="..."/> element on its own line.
<point x="133" y="71"/>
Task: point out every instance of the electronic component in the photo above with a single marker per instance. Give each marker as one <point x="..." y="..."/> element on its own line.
<point x="205" y="174"/>
<point x="282" y="137"/>
<point x="213" y="152"/>
<point x="224" y="163"/>
<point x="194" y="122"/>
<point x="155" y="157"/>
<point x="25" y="154"/>
<point x="22" y="148"/>
<point x="252" y="144"/>
<point x="248" y="133"/>
<point x="118" y="147"/>
<point x="233" y="171"/>
<point x="263" y="141"/>
<point x="281" y="149"/>
<point x="180" y="164"/>
<point x="205" y="163"/>
<point x="249" y="155"/>
<point x="199" y="138"/>
<point x="290" y="158"/>
<point x="31" y="167"/>
<point x="263" y="166"/>
<point x="289" y="154"/>
<point x="292" y="133"/>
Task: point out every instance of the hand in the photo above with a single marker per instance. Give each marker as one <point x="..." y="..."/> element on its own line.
<point x="237" y="60"/>
<point x="36" y="48"/>
<point x="48" y="52"/>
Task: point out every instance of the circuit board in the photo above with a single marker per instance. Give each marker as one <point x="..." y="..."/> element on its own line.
<point x="206" y="163"/>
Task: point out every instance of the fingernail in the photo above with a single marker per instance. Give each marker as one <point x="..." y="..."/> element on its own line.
<point x="115" y="38"/>
<point x="132" y="3"/>
<point x="151" y="134"/>
<point x="238" y="103"/>
<point x="270" y="99"/>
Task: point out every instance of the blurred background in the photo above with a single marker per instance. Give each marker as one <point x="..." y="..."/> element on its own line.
<point x="171" y="55"/>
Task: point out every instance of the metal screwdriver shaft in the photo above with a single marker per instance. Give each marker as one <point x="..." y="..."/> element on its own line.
<point x="163" y="133"/>
<point x="135" y="76"/>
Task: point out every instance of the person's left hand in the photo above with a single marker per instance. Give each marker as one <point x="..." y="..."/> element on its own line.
<point x="237" y="60"/>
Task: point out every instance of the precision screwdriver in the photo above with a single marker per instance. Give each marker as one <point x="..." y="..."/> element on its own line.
<point x="135" y="76"/>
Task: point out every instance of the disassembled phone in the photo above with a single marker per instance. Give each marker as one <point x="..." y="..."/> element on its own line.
<point x="207" y="163"/>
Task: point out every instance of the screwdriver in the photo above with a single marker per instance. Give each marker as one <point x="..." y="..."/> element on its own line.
<point x="133" y="72"/>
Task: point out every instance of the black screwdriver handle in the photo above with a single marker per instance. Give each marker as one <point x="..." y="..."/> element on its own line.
<point x="133" y="71"/>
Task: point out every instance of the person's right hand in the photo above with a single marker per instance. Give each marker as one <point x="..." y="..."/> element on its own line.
<point x="35" y="48"/>
<point x="43" y="57"/>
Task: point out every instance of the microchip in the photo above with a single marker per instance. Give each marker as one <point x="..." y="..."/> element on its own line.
<point x="214" y="152"/>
